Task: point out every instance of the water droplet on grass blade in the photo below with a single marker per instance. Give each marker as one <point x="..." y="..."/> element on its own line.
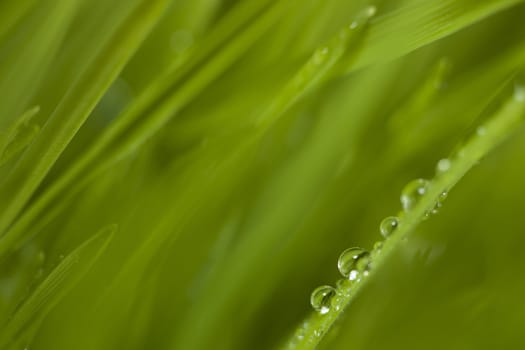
<point x="321" y="299"/>
<point x="363" y="17"/>
<point x="443" y="166"/>
<point x="481" y="131"/>
<point x="388" y="226"/>
<point x="438" y="204"/>
<point x="320" y="55"/>
<point x="378" y="245"/>
<point x="412" y="193"/>
<point x="352" y="261"/>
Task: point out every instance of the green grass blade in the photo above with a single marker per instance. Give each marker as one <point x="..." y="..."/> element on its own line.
<point x="419" y="23"/>
<point x="36" y="41"/>
<point x="111" y="147"/>
<point x="56" y="285"/>
<point x="74" y="109"/>
<point x="19" y="135"/>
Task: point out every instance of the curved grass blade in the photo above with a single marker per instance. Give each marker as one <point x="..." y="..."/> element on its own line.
<point x="19" y="136"/>
<point x="28" y="52"/>
<point x="495" y="130"/>
<point x="306" y="79"/>
<point x="106" y="151"/>
<point x="74" y="109"/>
<point x="419" y="23"/>
<point x="56" y="285"/>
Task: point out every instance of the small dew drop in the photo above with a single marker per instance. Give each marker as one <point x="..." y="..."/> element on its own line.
<point x="481" y="131"/>
<point x="319" y="55"/>
<point x="388" y="226"/>
<point x="321" y="299"/>
<point x="371" y="11"/>
<point x="519" y="93"/>
<point x="443" y="166"/>
<point x="352" y="261"/>
<point x="363" y="17"/>
<point x="378" y="246"/>
<point x="438" y="204"/>
<point x="412" y="193"/>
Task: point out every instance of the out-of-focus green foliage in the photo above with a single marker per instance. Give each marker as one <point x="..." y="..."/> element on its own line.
<point x="240" y="146"/>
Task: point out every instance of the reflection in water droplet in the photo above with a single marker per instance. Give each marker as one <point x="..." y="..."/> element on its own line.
<point x="321" y="299"/>
<point x="353" y="261"/>
<point x="412" y="193"/>
<point x="388" y="226"/>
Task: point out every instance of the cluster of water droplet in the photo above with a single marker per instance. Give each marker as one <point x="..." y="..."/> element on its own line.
<point x="354" y="264"/>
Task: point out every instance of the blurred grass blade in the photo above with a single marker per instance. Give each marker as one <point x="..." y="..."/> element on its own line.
<point x="26" y="54"/>
<point x="19" y="135"/>
<point x="56" y="285"/>
<point x="74" y="109"/>
<point x="160" y="105"/>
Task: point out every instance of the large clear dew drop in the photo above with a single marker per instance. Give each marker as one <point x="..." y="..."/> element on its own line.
<point x="352" y="262"/>
<point x="321" y="299"/>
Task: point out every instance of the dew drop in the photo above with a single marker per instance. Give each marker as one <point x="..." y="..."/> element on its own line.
<point x="321" y="299"/>
<point x="363" y="17"/>
<point x="388" y="226"/>
<point x="481" y="131"/>
<point x="443" y="166"/>
<point x="438" y="204"/>
<point x="352" y="261"/>
<point x="320" y="55"/>
<point x="413" y="192"/>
